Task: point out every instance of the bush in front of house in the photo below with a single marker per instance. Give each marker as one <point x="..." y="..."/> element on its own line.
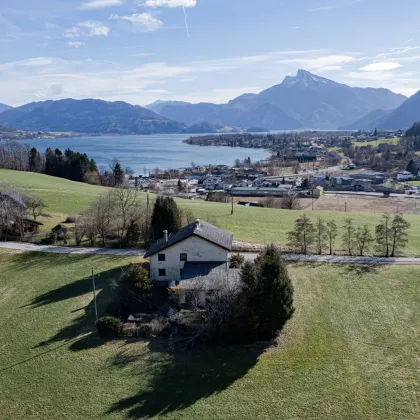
<point x="109" y="327"/>
<point x="133" y="290"/>
<point x="236" y="261"/>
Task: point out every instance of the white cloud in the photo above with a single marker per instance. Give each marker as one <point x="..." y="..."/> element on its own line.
<point x="384" y="66"/>
<point x="143" y="22"/>
<point x="338" y="4"/>
<point x="137" y="82"/>
<point x="320" y="64"/>
<point x="100" y="4"/>
<point x="370" y="75"/>
<point x="37" y="62"/>
<point x="94" y="28"/>
<point x="170" y="3"/>
<point x="73" y="33"/>
<point x="75" y="44"/>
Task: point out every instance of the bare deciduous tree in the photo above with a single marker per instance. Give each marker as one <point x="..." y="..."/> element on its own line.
<point x="332" y="233"/>
<point x="321" y="235"/>
<point x="382" y="234"/>
<point x="363" y="239"/>
<point x="398" y="235"/>
<point x="102" y="213"/>
<point x="36" y="206"/>
<point x="303" y="235"/>
<point x="125" y="204"/>
<point x="348" y="235"/>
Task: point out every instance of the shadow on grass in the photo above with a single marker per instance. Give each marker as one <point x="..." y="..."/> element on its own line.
<point x="31" y="260"/>
<point x="361" y="269"/>
<point x="82" y="326"/>
<point x="177" y="381"/>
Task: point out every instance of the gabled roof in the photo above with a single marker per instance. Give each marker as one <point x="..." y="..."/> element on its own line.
<point x="199" y="228"/>
<point x="208" y="276"/>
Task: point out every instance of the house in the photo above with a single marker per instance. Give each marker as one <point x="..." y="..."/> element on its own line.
<point x="13" y="210"/>
<point x="317" y="192"/>
<point x="404" y="176"/>
<point x="280" y="191"/>
<point x="199" y="248"/>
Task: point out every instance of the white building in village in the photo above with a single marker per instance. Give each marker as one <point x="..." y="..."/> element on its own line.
<point x="199" y="250"/>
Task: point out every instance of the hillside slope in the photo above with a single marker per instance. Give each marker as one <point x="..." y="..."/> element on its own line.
<point x="88" y="116"/>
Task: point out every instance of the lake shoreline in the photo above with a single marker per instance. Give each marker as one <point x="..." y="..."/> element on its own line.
<point x="145" y="153"/>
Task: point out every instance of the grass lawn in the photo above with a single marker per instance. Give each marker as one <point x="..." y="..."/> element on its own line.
<point x="350" y="352"/>
<point x="257" y="225"/>
<point x="414" y="183"/>
<point x="376" y="143"/>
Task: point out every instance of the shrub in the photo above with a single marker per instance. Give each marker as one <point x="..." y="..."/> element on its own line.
<point x="109" y="326"/>
<point x="236" y="261"/>
<point x="133" y="290"/>
<point x="70" y="219"/>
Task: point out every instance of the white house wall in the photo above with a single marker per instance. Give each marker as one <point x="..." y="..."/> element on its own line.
<point x="197" y="250"/>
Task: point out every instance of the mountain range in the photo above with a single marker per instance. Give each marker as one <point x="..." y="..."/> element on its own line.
<point x="303" y="101"/>
<point x="4" y="107"/>
<point x="88" y="116"/>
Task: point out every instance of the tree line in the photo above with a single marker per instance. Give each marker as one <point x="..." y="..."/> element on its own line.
<point x="388" y="239"/>
<point x="120" y="218"/>
<point x="69" y="164"/>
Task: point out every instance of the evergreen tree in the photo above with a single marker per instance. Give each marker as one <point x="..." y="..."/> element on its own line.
<point x="412" y="167"/>
<point x="348" y="235"/>
<point x="118" y="174"/>
<point x="398" y="234"/>
<point x="133" y="234"/>
<point x="179" y="186"/>
<point x="35" y="160"/>
<point x="303" y="235"/>
<point x="268" y="293"/>
<point x="375" y="133"/>
<point x="133" y="290"/>
<point x="332" y="233"/>
<point x="165" y="216"/>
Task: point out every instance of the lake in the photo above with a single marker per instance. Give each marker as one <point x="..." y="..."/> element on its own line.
<point x="142" y="153"/>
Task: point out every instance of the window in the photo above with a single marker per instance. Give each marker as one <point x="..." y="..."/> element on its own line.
<point x="183" y="257"/>
<point x="162" y="272"/>
<point x="161" y="257"/>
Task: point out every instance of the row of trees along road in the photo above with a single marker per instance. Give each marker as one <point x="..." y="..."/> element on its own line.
<point x="120" y="215"/>
<point x="388" y="239"/>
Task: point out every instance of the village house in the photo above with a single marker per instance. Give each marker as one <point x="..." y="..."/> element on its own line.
<point x="14" y="210"/>
<point x="404" y="176"/>
<point x="198" y="251"/>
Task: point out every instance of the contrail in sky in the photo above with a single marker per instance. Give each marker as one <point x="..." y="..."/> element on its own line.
<point x="186" y="23"/>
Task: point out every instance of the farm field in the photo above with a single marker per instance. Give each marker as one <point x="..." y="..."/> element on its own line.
<point x="376" y="143"/>
<point x="349" y="352"/>
<point x="256" y="225"/>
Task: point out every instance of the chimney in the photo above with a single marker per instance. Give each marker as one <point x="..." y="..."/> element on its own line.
<point x="165" y="235"/>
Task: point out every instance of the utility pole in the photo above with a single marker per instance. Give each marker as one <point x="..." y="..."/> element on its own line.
<point x="94" y="295"/>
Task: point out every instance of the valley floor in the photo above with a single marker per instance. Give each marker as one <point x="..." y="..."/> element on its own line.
<point x="350" y="352"/>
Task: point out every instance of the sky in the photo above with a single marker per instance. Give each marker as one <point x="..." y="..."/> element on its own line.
<point x="140" y="51"/>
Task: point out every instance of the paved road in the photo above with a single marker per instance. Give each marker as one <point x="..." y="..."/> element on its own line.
<point x="72" y="251"/>
<point x="248" y="256"/>
<point x="344" y="260"/>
